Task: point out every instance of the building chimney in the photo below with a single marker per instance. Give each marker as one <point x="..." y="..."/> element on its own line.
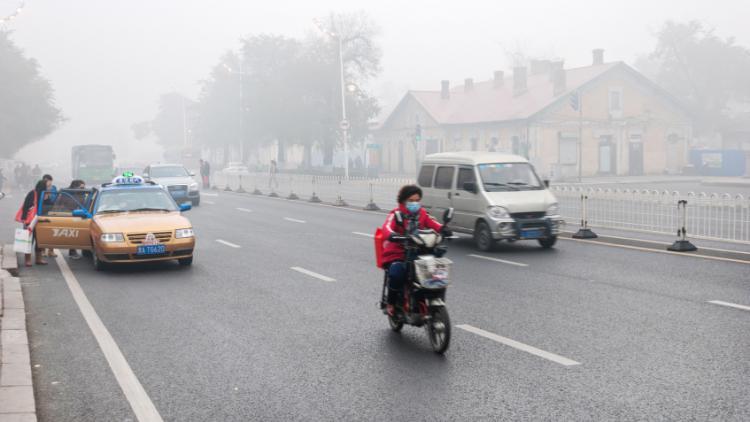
<point x="559" y="81"/>
<point x="519" y="80"/>
<point x="468" y="84"/>
<point x="445" y="90"/>
<point x="598" y="56"/>
<point x="499" y="79"/>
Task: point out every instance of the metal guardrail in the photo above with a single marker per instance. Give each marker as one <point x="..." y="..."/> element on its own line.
<point x="713" y="216"/>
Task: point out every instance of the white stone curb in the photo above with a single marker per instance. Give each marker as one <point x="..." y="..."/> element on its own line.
<point x="16" y="389"/>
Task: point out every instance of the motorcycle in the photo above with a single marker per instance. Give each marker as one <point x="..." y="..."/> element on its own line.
<point x="422" y="302"/>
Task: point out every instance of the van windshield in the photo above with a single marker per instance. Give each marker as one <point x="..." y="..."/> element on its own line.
<point x="509" y="177"/>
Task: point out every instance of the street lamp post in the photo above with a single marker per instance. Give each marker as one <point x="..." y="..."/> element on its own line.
<point x="344" y="125"/>
<point x="241" y="74"/>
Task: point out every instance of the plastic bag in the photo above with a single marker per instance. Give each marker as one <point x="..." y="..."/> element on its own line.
<point x="22" y="242"/>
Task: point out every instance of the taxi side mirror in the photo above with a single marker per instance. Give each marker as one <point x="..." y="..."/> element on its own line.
<point x="187" y="206"/>
<point x="81" y="213"/>
<point x="192" y="174"/>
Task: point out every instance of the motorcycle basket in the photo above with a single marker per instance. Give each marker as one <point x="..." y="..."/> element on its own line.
<point x="433" y="273"/>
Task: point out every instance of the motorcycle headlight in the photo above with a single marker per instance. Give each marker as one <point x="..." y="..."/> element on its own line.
<point x="194" y="186"/>
<point x="183" y="233"/>
<point x="553" y="209"/>
<point x="112" y="237"/>
<point x="498" y="213"/>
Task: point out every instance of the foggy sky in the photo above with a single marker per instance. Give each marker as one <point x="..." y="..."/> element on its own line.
<point x="110" y="60"/>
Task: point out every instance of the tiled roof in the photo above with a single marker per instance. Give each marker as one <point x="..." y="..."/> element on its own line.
<point x="487" y="103"/>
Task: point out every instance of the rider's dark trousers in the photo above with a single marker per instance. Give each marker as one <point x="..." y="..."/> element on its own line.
<point x="396" y="281"/>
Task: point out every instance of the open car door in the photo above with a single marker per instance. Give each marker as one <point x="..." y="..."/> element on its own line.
<point x="56" y="226"/>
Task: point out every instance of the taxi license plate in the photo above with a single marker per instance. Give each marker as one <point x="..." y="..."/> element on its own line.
<point x="151" y="250"/>
<point x="531" y="234"/>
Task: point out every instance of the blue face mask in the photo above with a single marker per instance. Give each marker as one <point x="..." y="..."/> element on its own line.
<point x="413" y="207"/>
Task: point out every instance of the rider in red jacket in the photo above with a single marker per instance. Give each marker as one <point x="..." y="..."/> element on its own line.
<point x="409" y="205"/>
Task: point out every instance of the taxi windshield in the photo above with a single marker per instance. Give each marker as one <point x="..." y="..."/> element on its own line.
<point x="509" y="177"/>
<point x="132" y="200"/>
<point x="169" y="171"/>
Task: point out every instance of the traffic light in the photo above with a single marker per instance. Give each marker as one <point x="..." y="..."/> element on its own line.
<point x="418" y="133"/>
<point x="575" y="102"/>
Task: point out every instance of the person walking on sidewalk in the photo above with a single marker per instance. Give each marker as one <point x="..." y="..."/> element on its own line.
<point x="273" y="183"/>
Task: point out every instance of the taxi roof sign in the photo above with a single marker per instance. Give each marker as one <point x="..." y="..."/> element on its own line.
<point x="128" y="178"/>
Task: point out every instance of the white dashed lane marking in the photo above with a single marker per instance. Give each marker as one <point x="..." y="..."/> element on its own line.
<point x="363" y="234"/>
<point x="313" y="274"/>
<point x="294" y="220"/>
<point x="520" y="346"/>
<point x="244" y="210"/>
<point x="230" y="244"/>
<point x="729" y="305"/>
<point x="502" y="261"/>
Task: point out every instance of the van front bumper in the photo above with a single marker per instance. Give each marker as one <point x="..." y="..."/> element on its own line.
<point x="534" y="228"/>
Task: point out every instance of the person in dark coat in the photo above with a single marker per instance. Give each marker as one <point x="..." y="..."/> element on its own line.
<point x="28" y="211"/>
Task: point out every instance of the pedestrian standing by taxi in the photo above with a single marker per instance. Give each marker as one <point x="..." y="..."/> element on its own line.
<point x="28" y="211"/>
<point x="71" y="204"/>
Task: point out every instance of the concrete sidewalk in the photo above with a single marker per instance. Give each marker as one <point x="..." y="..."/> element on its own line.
<point x="17" y="402"/>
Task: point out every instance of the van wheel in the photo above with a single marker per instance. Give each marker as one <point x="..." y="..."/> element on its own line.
<point x="547" y="242"/>
<point x="483" y="237"/>
<point x="185" y="262"/>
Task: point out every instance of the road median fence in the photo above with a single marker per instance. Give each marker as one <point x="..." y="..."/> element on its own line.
<point x="712" y="216"/>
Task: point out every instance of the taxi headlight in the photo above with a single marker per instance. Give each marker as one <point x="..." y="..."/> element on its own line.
<point x="112" y="237"/>
<point x="183" y="233"/>
<point x="194" y="186"/>
<point x="553" y="209"/>
<point x="498" y="213"/>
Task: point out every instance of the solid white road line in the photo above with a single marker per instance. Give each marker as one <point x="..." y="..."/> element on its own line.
<point x="729" y="304"/>
<point x="520" y="346"/>
<point x="638" y="248"/>
<point x="363" y="234"/>
<point x="313" y="274"/>
<point x="294" y="220"/>
<point x="209" y="202"/>
<point x="244" y="210"/>
<point x="144" y="409"/>
<point x="502" y="261"/>
<point x="231" y="245"/>
<point x="656" y="242"/>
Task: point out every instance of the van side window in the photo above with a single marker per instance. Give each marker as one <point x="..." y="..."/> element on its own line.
<point x="464" y="175"/>
<point x="444" y="178"/>
<point x="425" y="176"/>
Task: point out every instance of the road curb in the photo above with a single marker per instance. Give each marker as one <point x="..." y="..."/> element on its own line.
<point x="17" y="401"/>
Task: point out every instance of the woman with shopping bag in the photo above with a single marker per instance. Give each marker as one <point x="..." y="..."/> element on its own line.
<point x="27" y="216"/>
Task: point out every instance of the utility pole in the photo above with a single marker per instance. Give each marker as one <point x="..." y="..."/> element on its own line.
<point x="344" y="122"/>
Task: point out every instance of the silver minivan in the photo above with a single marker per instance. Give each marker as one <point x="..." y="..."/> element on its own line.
<point x="494" y="196"/>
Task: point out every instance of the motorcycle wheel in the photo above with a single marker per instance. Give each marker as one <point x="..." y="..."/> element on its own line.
<point x="396" y="323"/>
<point x="439" y="330"/>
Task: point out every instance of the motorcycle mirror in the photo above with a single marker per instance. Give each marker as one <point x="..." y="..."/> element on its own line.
<point x="448" y="215"/>
<point x="399" y="218"/>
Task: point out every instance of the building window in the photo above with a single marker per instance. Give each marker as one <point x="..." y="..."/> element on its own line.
<point x="615" y="102"/>
<point x="568" y="149"/>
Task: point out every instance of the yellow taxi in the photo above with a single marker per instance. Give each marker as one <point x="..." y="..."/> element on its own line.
<point x="128" y="220"/>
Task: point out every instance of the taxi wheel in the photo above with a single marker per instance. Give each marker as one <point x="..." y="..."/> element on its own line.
<point x="185" y="262"/>
<point x="98" y="264"/>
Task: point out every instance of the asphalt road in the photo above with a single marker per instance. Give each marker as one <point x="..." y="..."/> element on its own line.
<point x="241" y="336"/>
